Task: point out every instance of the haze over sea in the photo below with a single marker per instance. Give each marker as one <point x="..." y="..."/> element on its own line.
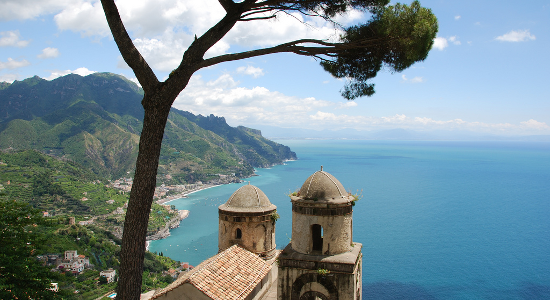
<point x="438" y="220"/>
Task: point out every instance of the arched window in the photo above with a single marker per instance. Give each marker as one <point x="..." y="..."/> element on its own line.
<point x="238" y="234"/>
<point x="317" y="237"/>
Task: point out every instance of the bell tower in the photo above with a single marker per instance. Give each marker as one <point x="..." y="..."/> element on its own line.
<point x="321" y="261"/>
<point x="248" y="219"/>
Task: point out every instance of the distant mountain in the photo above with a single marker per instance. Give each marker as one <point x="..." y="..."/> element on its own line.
<point x="395" y="134"/>
<point x="96" y="121"/>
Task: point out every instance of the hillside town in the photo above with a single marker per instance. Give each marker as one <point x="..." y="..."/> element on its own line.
<point x="73" y="263"/>
<point x="165" y="193"/>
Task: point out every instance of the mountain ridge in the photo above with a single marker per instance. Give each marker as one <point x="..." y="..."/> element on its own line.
<point x="96" y="120"/>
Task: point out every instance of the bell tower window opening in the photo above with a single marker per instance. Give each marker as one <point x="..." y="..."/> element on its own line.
<point x="238" y="234"/>
<point x="317" y="237"/>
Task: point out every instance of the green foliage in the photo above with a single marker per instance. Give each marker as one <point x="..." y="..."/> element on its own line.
<point x="396" y="37"/>
<point x="67" y="191"/>
<point x="257" y="150"/>
<point x="96" y="120"/>
<point x="4" y="85"/>
<point x="323" y="272"/>
<point x="158" y="217"/>
<point x="42" y="184"/>
<point x="55" y="186"/>
<point x="153" y="271"/>
<point x="295" y="193"/>
<point x="275" y="216"/>
<point x="22" y="276"/>
<point x="24" y="234"/>
<point x="356" y="196"/>
<point x="328" y="9"/>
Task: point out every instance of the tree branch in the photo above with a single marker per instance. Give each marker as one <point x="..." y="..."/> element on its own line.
<point x="257" y="11"/>
<point x="286" y="47"/>
<point x="258" y="18"/>
<point x="324" y="48"/>
<point x="227" y="4"/>
<point x="130" y="53"/>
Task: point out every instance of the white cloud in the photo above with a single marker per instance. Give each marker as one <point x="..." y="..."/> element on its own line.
<point x="223" y="82"/>
<point x="454" y="39"/>
<point x="8" y="77"/>
<point x="324" y="116"/>
<point x="457" y="18"/>
<point x="84" y="17"/>
<point x="12" y="38"/>
<point x="283" y="29"/>
<point x="416" y="79"/>
<point x="135" y="81"/>
<point x="394" y="119"/>
<point x="534" y="124"/>
<point x="259" y="106"/>
<point x="150" y="18"/>
<point x="29" y="9"/>
<point x="48" y="53"/>
<point x="163" y="29"/>
<point x="13" y="64"/>
<point x="143" y="18"/>
<point x="80" y="71"/>
<point x="516" y="36"/>
<point x="347" y="104"/>
<point x="164" y="53"/>
<point x="350" y="17"/>
<point x="250" y="70"/>
<point x="440" y="43"/>
<point x="428" y="121"/>
<point x="241" y="106"/>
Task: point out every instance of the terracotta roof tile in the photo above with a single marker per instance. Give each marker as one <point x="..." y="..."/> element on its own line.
<point x="229" y="275"/>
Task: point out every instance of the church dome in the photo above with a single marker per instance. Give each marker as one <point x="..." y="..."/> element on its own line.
<point x="324" y="187"/>
<point x="248" y="198"/>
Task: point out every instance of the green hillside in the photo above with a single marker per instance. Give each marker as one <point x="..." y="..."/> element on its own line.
<point x="96" y="120"/>
<point x="63" y="189"/>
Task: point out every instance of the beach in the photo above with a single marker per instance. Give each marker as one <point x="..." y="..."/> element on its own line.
<point x="185" y="194"/>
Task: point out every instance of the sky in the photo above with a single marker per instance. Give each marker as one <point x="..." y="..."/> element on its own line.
<point x="486" y="74"/>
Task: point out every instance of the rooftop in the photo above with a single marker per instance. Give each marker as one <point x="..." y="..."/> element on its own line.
<point x="324" y="187"/>
<point x="231" y="274"/>
<point x="248" y="198"/>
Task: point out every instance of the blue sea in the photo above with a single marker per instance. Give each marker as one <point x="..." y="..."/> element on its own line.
<point x="437" y="220"/>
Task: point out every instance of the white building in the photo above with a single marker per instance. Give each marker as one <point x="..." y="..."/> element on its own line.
<point x="109" y="274"/>
<point x="70" y="254"/>
<point x="73" y="262"/>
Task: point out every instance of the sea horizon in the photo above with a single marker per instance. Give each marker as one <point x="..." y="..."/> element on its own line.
<point x="438" y="220"/>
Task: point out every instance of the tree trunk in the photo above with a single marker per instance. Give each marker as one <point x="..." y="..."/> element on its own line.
<point x="141" y="197"/>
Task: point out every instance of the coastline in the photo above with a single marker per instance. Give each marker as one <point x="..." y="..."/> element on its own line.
<point x="183" y="214"/>
<point x="185" y="194"/>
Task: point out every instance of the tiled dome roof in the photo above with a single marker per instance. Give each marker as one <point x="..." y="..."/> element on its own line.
<point x="323" y="186"/>
<point x="248" y="198"/>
